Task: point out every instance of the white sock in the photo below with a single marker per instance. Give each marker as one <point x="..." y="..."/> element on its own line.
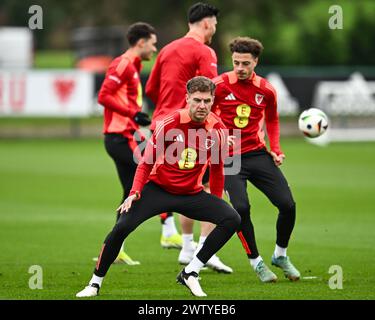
<point x="187" y="242"/>
<point x="96" y="279"/>
<point x="195" y="265"/>
<point x="169" y="227"/>
<point x="254" y="262"/>
<point x="202" y="239"/>
<point x="279" y="251"/>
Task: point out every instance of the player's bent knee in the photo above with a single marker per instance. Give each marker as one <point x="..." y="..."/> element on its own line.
<point x="237" y="221"/>
<point x="233" y="222"/>
<point x="243" y="209"/>
<point x="122" y="229"/>
<point x="287" y="207"/>
<point x="245" y="220"/>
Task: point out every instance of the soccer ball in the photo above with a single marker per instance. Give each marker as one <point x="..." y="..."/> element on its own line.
<point x="313" y="122"/>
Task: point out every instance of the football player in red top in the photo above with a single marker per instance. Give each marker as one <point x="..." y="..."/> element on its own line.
<point x="245" y="102"/>
<point x="181" y="60"/>
<point x="169" y="177"/>
<point x="121" y="97"/>
<point x="176" y="63"/>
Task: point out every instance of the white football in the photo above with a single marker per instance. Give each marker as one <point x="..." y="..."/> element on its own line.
<point x="313" y="122"/>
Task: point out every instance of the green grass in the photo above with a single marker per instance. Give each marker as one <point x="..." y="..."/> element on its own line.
<point x="57" y="201"/>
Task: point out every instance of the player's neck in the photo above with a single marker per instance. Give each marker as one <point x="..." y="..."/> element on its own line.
<point x="197" y="33"/>
<point x="135" y="52"/>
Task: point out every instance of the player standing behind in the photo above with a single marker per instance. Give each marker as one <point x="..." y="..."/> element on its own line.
<point x="121" y="96"/>
<point x="244" y="101"/>
<point x="176" y="63"/>
<point x="169" y="177"/>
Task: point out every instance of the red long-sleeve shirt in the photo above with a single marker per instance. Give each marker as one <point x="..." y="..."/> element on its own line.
<point x="121" y="95"/>
<point x="176" y="158"/>
<point x="246" y="105"/>
<point x="176" y="64"/>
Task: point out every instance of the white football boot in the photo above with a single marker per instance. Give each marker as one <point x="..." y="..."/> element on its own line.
<point x="185" y="256"/>
<point x="215" y="264"/>
<point x="191" y="280"/>
<point x="91" y="290"/>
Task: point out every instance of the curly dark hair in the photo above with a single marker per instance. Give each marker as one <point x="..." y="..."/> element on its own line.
<point x="246" y="45"/>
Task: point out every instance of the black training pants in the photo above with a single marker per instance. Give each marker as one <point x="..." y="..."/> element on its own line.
<point x="258" y="168"/>
<point x="121" y="153"/>
<point x="155" y="200"/>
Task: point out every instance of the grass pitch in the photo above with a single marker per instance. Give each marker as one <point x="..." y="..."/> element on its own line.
<point x="57" y="202"/>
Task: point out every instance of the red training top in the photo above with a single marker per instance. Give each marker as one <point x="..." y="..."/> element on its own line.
<point x="177" y="155"/>
<point x="121" y="95"/>
<point x="245" y="105"/>
<point x="175" y="65"/>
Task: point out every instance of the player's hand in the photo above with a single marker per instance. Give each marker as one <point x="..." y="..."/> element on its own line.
<point x="142" y="119"/>
<point x="125" y="206"/>
<point x="231" y="141"/>
<point x="278" y="159"/>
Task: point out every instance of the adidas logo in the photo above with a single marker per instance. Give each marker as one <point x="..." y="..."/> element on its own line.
<point x="179" y="138"/>
<point x="230" y="97"/>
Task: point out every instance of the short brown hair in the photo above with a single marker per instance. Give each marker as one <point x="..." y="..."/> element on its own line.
<point x="201" y="84"/>
<point x="246" y="45"/>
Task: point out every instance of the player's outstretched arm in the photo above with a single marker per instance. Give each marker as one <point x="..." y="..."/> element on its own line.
<point x="273" y="126"/>
<point x="111" y="85"/>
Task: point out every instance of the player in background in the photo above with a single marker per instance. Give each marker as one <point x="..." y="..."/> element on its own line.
<point x="245" y="101"/>
<point x="171" y="171"/>
<point x="121" y="97"/>
<point x="176" y="63"/>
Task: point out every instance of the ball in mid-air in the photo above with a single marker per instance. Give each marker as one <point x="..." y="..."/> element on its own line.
<point x="313" y="122"/>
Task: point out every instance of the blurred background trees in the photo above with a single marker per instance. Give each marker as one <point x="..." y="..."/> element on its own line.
<point x="293" y="32"/>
